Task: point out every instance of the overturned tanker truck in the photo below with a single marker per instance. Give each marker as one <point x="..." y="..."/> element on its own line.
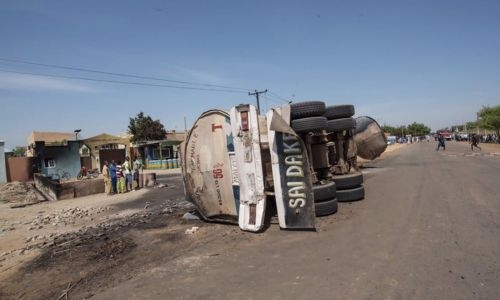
<point x="297" y="161"/>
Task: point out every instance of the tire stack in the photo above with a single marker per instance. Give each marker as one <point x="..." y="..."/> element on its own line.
<point x="343" y="153"/>
<point x="309" y="122"/>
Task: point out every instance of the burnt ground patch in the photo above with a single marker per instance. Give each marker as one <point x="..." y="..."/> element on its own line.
<point x="96" y="258"/>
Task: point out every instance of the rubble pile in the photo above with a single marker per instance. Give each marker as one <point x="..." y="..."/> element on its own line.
<point x="65" y="217"/>
<point x="179" y="203"/>
<point x="58" y="241"/>
<point x="19" y="192"/>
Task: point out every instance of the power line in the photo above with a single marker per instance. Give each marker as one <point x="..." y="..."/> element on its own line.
<point x="256" y="94"/>
<point x="117" y="74"/>
<point x="274" y="99"/>
<point x="222" y="87"/>
<point x="279" y="97"/>
<point x="121" y="82"/>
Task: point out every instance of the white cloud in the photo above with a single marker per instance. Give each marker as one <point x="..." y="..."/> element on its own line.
<point x="33" y="82"/>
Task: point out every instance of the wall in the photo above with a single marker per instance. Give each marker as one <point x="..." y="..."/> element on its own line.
<point x="54" y="190"/>
<point x="20" y="168"/>
<point x="3" y="169"/>
<point x="50" y="189"/>
<point x="67" y="158"/>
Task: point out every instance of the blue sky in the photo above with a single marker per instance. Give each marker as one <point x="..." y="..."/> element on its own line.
<point x="432" y="62"/>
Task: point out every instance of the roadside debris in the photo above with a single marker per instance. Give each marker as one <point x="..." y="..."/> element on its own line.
<point x="65" y="216"/>
<point x="192" y="230"/>
<point x="190" y="216"/>
<point x="20" y="194"/>
<point x="160" y="186"/>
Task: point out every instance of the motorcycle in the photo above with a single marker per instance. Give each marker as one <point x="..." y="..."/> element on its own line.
<point x="87" y="174"/>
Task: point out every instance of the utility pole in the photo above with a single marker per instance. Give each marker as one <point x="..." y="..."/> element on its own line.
<point x="256" y="94"/>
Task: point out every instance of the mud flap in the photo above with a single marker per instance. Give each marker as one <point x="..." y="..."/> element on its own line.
<point x="207" y="161"/>
<point x="291" y="172"/>
<point x="245" y="130"/>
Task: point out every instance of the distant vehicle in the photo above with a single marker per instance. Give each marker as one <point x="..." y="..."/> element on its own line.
<point x="391" y="140"/>
<point x="446" y="134"/>
<point x="461" y="137"/>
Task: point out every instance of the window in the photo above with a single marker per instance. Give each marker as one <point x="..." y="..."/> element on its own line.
<point x="165" y="153"/>
<point x="84" y="151"/>
<point x="108" y="147"/>
<point x="50" y="163"/>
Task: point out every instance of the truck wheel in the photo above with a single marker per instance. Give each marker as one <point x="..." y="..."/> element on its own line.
<point x="307" y="109"/>
<point x="326" y="208"/>
<point x="339" y="111"/>
<point x="348" y="181"/>
<point x="341" y="124"/>
<point x="349" y="195"/>
<point x="309" y="124"/>
<point x="324" y="192"/>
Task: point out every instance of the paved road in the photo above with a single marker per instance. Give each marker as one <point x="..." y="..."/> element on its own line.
<point x="429" y="228"/>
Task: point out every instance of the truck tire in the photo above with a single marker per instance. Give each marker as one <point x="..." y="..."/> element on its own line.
<point x="348" y="181"/>
<point x="349" y="195"/>
<point x="341" y="124"/>
<point x="324" y="192"/>
<point x="309" y="124"/>
<point x="339" y="111"/>
<point x="307" y="109"/>
<point x="326" y="208"/>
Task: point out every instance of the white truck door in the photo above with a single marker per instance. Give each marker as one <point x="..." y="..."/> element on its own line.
<point x="246" y="136"/>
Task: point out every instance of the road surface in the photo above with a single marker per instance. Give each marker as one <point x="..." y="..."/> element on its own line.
<point x="429" y="228"/>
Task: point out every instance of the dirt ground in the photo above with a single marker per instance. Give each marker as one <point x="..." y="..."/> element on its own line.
<point x="81" y="247"/>
<point x="49" y="247"/>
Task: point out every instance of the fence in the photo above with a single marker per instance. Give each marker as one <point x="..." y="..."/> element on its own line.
<point x="162" y="164"/>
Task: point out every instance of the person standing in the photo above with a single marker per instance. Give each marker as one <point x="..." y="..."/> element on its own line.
<point x="120" y="180"/>
<point x="107" y="179"/>
<point x="137" y="167"/>
<point x="473" y="142"/>
<point x="441" y="142"/>
<point x="112" y="174"/>
<point x="127" y="170"/>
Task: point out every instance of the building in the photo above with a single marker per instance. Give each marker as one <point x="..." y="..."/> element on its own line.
<point x="160" y="154"/>
<point x="97" y="149"/>
<point x="50" y="138"/>
<point x="3" y="163"/>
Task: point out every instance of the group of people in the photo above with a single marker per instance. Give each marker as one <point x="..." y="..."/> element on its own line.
<point x="473" y="140"/>
<point x="119" y="178"/>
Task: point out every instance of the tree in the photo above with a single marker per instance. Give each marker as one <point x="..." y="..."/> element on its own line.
<point x="389" y="129"/>
<point x="19" y="151"/>
<point x="143" y="128"/>
<point x="397" y="131"/>
<point x="489" y="118"/>
<point x="401" y="131"/>
<point x="418" y="129"/>
<point x="471" y="125"/>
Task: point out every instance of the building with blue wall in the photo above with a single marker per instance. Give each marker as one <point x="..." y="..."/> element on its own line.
<point x="3" y="168"/>
<point x="56" y="160"/>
